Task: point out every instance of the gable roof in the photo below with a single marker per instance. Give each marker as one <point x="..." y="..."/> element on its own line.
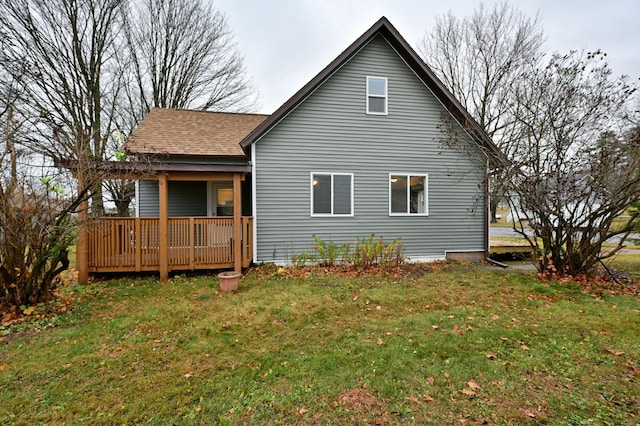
<point x="406" y="52"/>
<point x="186" y="132"/>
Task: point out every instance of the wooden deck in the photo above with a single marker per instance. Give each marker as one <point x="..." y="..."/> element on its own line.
<point x="133" y="244"/>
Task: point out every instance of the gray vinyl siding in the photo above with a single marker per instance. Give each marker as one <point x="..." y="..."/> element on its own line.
<point x="331" y="132"/>
<point x="185" y="198"/>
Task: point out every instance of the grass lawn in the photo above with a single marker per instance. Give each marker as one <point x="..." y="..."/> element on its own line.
<point x="446" y="344"/>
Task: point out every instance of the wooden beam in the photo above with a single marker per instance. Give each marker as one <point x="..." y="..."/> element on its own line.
<point x="197" y="177"/>
<point x="192" y="243"/>
<point x="137" y="238"/>
<point x="82" y="246"/>
<point x="163" y="188"/>
<point x="212" y="177"/>
<point x="237" y="222"/>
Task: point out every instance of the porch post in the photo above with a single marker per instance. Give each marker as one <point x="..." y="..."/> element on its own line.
<point x="163" y="189"/>
<point x="82" y="248"/>
<point x="237" y="223"/>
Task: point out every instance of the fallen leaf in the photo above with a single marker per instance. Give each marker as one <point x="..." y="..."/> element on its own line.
<point x="530" y="413"/>
<point x="435" y="327"/>
<point x="302" y="410"/>
<point x="430" y="380"/>
<point x="428" y="398"/>
<point x="188" y="376"/>
<point x="473" y="385"/>
<point x="492" y="356"/>
<point x="524" y="347"/>
<point x="614" y="352"/>
<point x="412" y="399"/>
<point x="380" y="341"/>
<point x="495" y="317"/>
<point x="468" y="392"/>
<point x="3" y="367"/>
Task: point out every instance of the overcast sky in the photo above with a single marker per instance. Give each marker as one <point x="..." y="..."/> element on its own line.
<point x="287" y="42"/>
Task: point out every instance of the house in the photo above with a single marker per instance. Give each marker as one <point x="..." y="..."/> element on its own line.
<point x="358" y="150"/>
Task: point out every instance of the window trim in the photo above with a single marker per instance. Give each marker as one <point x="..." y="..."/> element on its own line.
<point x="332" y="214"/>
<point x="426" y="193"/>
<point x="385" y="97"/>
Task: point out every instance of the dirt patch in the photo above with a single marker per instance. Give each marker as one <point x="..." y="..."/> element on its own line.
<point x="364" y="406"/>
<point x="391" y="270"/>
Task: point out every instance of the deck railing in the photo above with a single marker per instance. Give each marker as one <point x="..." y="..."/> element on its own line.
<point x="119" y="244"/>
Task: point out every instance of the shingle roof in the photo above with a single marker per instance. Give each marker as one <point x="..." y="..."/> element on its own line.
<point x="186" y="132"/>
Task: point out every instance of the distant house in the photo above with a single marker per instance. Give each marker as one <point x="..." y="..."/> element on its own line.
<point x="357" y="151"/>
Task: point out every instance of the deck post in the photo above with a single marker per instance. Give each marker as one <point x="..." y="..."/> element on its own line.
<point x="163" y="188"/>
<point x="192" y="243"/>
<point x="237" y="223"/>
<point x="82" y="246"/>
<point x="138" y="244"/>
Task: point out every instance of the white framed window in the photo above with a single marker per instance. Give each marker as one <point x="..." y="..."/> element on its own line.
<point x="408" y="194"/>
<point x="377" y="99"/>
<point x="331" y="194"/>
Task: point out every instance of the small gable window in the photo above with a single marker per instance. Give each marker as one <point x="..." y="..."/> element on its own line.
<point x="377" y="95"/>
<point x="331" y="194"/>
<point x="408" y="194"/>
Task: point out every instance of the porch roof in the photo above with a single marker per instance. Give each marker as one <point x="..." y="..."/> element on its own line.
<point x="194" y="133"/>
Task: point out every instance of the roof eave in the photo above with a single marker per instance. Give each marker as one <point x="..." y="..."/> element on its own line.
<point x="166" y="156"/>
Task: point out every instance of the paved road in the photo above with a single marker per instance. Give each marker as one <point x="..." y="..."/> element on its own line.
<point x="500" y="231"/>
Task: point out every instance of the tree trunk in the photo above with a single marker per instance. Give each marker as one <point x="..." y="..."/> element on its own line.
<point x="97" y="204"/>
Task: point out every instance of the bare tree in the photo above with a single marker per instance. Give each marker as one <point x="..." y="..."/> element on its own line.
<point x="91" y="69"/>
<point x="181" y="54"/>
<point x="37" y="212"/>
<point x="577" y="167"/>
<point x="59" y="52"/>
<point x="481" y="59"/>
<point x="9" y="127"/>
<point x="177" y="54"/>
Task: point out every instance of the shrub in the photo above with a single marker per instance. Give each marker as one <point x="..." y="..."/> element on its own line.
<point x="366" y="253"/>
<point x="303" y="258"/>
<point x="371" y="251"/>
<point x="328" y="252"/>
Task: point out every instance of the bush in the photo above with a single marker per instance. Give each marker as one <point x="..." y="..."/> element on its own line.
<point x="366" y="253"/>
<point x="328" y="252"/>
<point x="36" y="231"/>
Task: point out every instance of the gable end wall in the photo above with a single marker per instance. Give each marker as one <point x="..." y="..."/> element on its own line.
<point x="330" y="132"/>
